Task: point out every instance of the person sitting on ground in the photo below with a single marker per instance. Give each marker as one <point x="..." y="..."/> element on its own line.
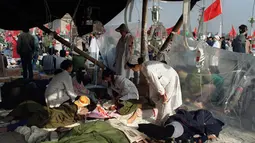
<point x="60" y="88"/>
<point x="78" y="84"/>
<point x="49" y="62"/>
<point x="212" y="84"/>
<point x="185" y="125"/>
<point x="30" y="113"/>
<point x="60" y="59"/>
<point x="123" y="91"/>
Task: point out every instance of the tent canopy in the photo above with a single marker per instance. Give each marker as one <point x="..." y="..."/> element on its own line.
<point x="20" y="14"/>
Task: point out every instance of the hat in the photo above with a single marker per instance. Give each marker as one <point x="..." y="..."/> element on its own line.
<point x="133" y="60"/>
<point x="122" y="28"/>
<point x="82" y="101"/>
<point x="178" y="129"/>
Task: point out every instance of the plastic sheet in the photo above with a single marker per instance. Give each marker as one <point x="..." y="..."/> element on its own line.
<point x="107" y="42"/>
<point x="225" y="81"/>
<point x="224" y="85"/>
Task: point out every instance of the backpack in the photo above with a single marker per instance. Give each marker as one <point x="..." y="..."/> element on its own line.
<point x="20" y="90"/>
<point x="238" y="45"/>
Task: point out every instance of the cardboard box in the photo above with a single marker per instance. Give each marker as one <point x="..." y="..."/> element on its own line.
<point x="13" y="72"/>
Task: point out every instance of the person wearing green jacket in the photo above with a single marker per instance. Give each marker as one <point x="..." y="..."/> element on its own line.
<point x="78" y="62"/>
<point x="31" y="113"/>
<point x="201" y="87"/>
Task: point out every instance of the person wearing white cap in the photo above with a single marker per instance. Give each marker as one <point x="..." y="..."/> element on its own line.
<point x="124" y="50"/>
<point x="165" y="88"/>
<point x="217" y="42"/>
<point x="123" y="92"/>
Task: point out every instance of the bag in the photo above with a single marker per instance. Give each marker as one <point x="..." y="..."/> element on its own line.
<point x="238" y="45"/>
<point x="20" y="90"/>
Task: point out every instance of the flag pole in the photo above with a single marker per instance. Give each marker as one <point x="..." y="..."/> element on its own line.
<point x="144" y="48"/>
<point x="221" y="24"/>
<point x="251" y="20"/>
<point x="201" y="22"/>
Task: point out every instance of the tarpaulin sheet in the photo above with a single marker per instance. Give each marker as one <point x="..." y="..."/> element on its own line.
<point x="224" y="84"/>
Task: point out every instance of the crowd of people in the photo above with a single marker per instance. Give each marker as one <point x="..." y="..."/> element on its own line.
<point x="242" y="43"/>
<point x="68" y="100"/>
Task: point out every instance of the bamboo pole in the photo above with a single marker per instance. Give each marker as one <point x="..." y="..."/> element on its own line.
<point x="177" y="26"/>
<point x="144" y="48"/>
<point x="68" y="44"/>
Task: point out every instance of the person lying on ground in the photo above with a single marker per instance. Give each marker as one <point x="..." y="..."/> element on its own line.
<point x="185" y="125"/>
<point x="123" y="91"/>
<point x="78" y="84"/>
<point x="164" y="85"/>
<point x="30" y="113"/>
<point x="60" y="88"/>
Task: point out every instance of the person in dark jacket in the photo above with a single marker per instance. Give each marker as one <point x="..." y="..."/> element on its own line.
<point x="185" y="125"/>
<point x="25" y="48"/>
<point x="223" y="43"/>
<point x="49" y="62"/>
<point x="3" y="65"/>
<point x="5" y="62"/>
<point x="239" y="43"/>
<point x="209" y="41"/>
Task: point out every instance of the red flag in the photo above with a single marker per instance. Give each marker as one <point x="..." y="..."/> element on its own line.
<point x="232" y="33"/>
<point x="68" y="27"/>
<point x="14" y="49"/>
<point x="58" y="30"/>
<point x="213" y="11"/>
<point x="195" y="31"/>
<point x="15" y="33"/>
<point x="253" y="33"/>
<point x="169" y="30"/>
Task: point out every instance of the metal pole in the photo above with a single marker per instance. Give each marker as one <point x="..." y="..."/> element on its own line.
<point x="176" y="27"/>
<point x="252" y="17"/>
<point x="68" y="44"/>
<point x="144" y="48"/>
<point x="201" y="23"/>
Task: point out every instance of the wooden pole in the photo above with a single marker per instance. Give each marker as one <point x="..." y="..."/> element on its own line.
<point x="68" y="44"/>
<point x="176" y="28"/>
<point x="144" y="48"/>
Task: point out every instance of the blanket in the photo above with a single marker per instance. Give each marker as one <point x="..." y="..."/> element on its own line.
<point x="40" y="116"/>
<point x="94" y="132"/>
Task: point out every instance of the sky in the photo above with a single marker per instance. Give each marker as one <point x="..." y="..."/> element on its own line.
<point x="235" y="12"/>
